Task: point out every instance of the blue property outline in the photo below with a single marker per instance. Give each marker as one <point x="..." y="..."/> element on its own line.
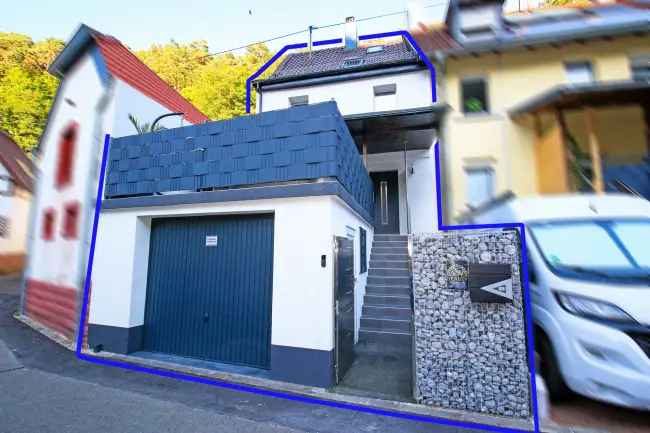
<point x="313" y="400"/>
<point x="403" y="33"/>
<point x="300" y="398"/>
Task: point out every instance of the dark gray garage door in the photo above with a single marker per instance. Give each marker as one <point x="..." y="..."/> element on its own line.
<point x="210" y="287"/>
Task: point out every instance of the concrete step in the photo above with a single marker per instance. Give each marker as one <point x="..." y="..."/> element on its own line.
<point x="375" y="341"/>
<point x="388" y="256"/>
<point x="379" y="237"/>
<point x="389" y="250"/>
<point x="388" y="290"/>
<point x="388" y="272"/>
<point x="389" y="281"/>
<point x="403" y="301"/>
<point x="384" y="312"/>
<point x="390" y="244"/>
<point x="389" y="325"/>
<point x="391" y="264"/>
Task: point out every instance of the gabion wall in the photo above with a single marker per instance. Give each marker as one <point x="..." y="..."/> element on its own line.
<point x="468" y="356"/>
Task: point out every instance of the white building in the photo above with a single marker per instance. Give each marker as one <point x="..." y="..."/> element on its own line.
<point x="16" y="184"/>
<point x="102" y="82"/>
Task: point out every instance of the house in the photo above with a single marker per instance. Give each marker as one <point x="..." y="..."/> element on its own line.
<point x="548" y="101"/>
<point x="16" y="187"/>
<point x="102" y="83"/>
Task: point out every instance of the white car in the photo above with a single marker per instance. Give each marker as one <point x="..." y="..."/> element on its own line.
<point x="589" y="273"/>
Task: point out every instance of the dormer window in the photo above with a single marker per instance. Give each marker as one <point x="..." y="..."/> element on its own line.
<point x="351" y="63"/>
<point x="295" y="101"/>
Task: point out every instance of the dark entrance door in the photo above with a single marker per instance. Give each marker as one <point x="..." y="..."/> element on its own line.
<point x="386" y="202"/>
<point x="344" y="277"/>
<point x="209" y="288"/>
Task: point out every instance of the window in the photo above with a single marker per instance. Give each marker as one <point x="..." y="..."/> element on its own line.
<point x="4" y="227"/>
<point x="640" y="66"/>
<point x="295" y="101"/>
<point x="363" y="266"/>
<point x="385" y="97"/>
<point x="474" y="95"/>
<point x="66" y="155"/>
<point x="579" y="72"/>
<point x="48" y="225"/>
<point x="480" y="185"/>
<point x="70" y="221"/>
<point x="6" y="185"/>
<point x="375" y="49"/>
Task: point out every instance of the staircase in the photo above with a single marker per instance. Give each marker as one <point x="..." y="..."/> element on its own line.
<point x="386" y="318"/>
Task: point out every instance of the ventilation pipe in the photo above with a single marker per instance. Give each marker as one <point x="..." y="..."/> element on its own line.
<point x="351" y="39"/>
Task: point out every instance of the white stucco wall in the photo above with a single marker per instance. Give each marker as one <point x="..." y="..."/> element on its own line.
<point x="413" y="89"/>
<point x="58" y="261"/>
<point x="303" y="297"/>
<point x="15" y="208"/>
<point x="421" y="183"/>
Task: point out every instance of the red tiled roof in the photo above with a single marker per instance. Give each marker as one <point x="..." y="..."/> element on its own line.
<point x="19" y="166"/>
<point x="434" y="39"/>
<point x="123" y="64"/>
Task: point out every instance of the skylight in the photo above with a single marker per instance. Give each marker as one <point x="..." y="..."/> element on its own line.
<point x="350" y="63"/>
<point x="375" y="49"/>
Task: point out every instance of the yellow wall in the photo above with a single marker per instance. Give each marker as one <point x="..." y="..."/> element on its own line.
<point x="513" y="77"/>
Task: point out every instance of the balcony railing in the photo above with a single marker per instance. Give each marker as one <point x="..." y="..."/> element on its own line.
<point x="303" y="143"/>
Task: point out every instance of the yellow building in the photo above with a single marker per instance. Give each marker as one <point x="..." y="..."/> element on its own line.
<point x="549" y="101"/>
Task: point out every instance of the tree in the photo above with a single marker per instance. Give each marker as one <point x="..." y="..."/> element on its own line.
<point x="143" y="128"/>
<point x="26" y="88"/>
<point x="175" y="63"/>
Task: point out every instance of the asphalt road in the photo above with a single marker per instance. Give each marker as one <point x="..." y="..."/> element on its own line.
<point x="56" y="392"/>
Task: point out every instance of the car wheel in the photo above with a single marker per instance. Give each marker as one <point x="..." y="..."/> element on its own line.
<point x="557" y="388"/>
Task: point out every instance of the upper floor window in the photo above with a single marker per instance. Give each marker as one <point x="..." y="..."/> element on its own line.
<point x="295" y="101"/>
<point x="6" y="185"/>
<point x="480" y="185"/>
<point x="474" y="96"/>
<point x="640" y="66"/>
<point x="65" y="161"/>
<point x="385" y="97"/>
<point x="579" y="72"/>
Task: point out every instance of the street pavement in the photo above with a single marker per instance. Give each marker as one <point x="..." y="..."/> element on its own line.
<point x="53" y="391"/>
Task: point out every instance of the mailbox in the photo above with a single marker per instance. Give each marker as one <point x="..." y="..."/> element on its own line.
<point x="490" y="283"/>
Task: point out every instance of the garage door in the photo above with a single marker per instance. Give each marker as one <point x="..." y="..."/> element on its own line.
<point x="210" y="287"/>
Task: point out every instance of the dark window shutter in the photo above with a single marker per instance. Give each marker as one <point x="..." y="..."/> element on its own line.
<point x="70" y="221"/>
<point x="65" y="161"/>
<point x="48" y="224"/>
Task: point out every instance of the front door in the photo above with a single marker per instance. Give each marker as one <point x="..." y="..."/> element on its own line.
<point x="386" y="202"/>
<point x="344" y="277"/>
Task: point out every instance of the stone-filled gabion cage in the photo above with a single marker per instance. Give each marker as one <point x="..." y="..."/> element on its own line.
<point x="469" y="355"/>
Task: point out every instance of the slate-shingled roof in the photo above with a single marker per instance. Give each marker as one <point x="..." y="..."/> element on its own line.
<point x="331" y="60"/>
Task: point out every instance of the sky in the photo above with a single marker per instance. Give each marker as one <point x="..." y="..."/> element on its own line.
<point x="225" y="25"/>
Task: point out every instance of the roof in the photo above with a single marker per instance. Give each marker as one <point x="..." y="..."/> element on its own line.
<point x="332" y="61"/>
<point x="124" y="65"/>
<point x="571" y="96"/>
<point x="557" y="25"/>
<point x="19" y="166"/>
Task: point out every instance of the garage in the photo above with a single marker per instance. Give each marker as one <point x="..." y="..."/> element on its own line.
<point x="209" y="288"/>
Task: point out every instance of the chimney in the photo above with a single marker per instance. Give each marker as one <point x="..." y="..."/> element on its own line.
<point x="350" y="33"/>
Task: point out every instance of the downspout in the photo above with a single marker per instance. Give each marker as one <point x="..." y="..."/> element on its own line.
<point x="440" y="59"/>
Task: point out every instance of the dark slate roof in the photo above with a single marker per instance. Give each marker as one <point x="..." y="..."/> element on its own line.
<point x="331" y="60"/>
<point x="559" y="25"/>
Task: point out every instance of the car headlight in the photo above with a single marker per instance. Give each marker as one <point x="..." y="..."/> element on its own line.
<point x="588" y="307"/>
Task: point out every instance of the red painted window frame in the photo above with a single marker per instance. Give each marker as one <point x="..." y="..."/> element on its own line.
<point x="65" y="159"/>
<point x="70" y="220"/>
<point x="49" y="218"/>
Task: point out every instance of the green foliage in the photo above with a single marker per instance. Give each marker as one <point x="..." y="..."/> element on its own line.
<point x="214" y="84"/>
<point x="143" y="128"/>
<point x="26" y="88"/>
<point x="474" y="105"/>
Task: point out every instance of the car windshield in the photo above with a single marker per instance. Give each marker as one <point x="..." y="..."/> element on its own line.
<point x="612" y="248"/>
